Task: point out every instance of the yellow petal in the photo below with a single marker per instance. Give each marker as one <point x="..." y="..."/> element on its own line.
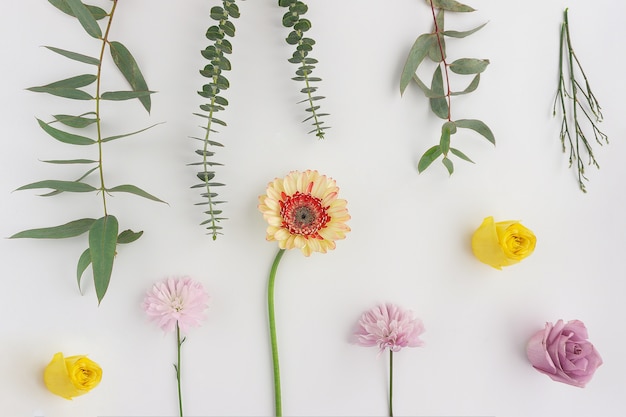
<point x="486" y="247"/>
<point x="57" y="380"/>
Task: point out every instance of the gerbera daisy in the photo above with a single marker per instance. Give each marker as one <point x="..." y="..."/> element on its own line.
<point x="302" y="211"/>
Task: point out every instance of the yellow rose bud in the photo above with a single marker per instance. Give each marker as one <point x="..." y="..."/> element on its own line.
<point x="503" y="243"/>
<point x="72" y="376"/>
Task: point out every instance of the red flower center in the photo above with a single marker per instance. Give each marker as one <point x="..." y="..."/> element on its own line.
<point x="303" y="214"/>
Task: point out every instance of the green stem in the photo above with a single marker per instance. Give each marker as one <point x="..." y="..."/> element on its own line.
<point x="272" y="321"/>
<point x="105" y="40"/>
<point x="178" y="345"/>
<point x="390" y="383"/>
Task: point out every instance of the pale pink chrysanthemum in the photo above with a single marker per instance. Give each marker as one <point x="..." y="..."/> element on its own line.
<point x="176" y="300"/>
<point x="389" y="327"/>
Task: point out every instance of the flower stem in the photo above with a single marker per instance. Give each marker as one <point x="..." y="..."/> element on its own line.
<point x="272" y="321"/>
<point x="390" y="383"/>
<point x="105" y="41"/>
<point x="178" y="344"/>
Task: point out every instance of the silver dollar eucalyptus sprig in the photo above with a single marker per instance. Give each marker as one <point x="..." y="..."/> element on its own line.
<point x="304" y="45"/>
<point x="577" y="94"/>
<point x="433" y="46"/>
<point x="214" y="71"/>
<point x="103" y="233"/>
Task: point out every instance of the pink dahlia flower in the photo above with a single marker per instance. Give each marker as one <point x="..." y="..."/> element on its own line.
<point x="389" y="327"/>
<point x="563" y="352"/>
<point x="176" y="300"/>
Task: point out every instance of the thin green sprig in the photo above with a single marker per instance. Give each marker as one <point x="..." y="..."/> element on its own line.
<point x="103" y="233"/>
<point x="433" y="46"/>
<point x="214" y="71"/>
<point x="304" y="45"/>
<point x="278" y="409"/>
<point x="576" y="95"/>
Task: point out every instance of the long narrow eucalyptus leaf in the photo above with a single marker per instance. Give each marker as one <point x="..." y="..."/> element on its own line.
<point x="78" y="122"/>
<point x="451" y="5"/>
<point x="124" y="95"/>
<point x="65" y="137"/>
<point x="457" y="34"/>
<point x="127" y="65"/>
<point x="102" y="244"/>
<point x="128" y="236"/>
<point x="67" y="230"/>
<point x="429" y="156"/>
<point x="70" y="161"/>
<point x="75" y="56"/>
<point x="439" y="105"/>
<point x="86" y="19"/>
<point x="72" y="82"/>
<point x="460" y="154"/>
<point x="477" y="126"/>
<point x="83" y="262"/>
<point x="132" y="189"/>
<point x="471" y="87"/>
<point x="71" y="93"/>
<point x="469" y="66"/>
<point x="69" y="186"/>
<point x="95" y="11"/>
<point x="110" y="138"/>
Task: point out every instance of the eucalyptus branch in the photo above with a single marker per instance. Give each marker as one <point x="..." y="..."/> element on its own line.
<point x="433" y="46"/>
<point x="304" y="45"/>
<point x="581" y="100"/>
<point x="215" y="53"/>
<point x="103" y="233"/>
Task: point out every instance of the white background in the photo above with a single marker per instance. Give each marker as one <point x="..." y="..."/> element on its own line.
<point x="410" y="239"/>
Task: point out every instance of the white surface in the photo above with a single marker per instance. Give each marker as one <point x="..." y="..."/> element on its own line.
<point x="410" y="233"/>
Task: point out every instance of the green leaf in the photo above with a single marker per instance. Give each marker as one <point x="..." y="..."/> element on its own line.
<point x="85" y="18"/>
<point x="416" y="56"/>
<point x="73" y="82"/>
<point x="439" y="105"/>
<point x="70" y="161"/>
<point x="71" y="229"/>
<point x="78" y="122"/>
<point x="456" y="34"/>
<point x="83" y="262"/>
<point x="102" y="243"/>
<point x="469" y="66"/>
<point x="471" y="87"/>
<point x="65" y="137"/>
<point x="127" y="188"/>
<point x="429" y="156"/>
<point x="425" y="89"/>
<point x="477" y="126"/>
<point x="460" y="155"/>
<point x="448" y="164"/>
<point x="75" y="56"/>
<point x="71" y="93"/>
<point x="128" y="236"/>
<point x="130" y="70"/>
<point x="451" y="5"/>
<point x="444" y="142"/>
<point x="124" y="95"/>
<point x="95" y="11"/>
<point x="68" y="88"/>
<point x="69" y="186"/>
<point x="434" y="53"/>
<point x="110" y="138"/>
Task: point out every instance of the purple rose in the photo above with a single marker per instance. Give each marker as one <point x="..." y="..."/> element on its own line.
<point x="563" y="352"/>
